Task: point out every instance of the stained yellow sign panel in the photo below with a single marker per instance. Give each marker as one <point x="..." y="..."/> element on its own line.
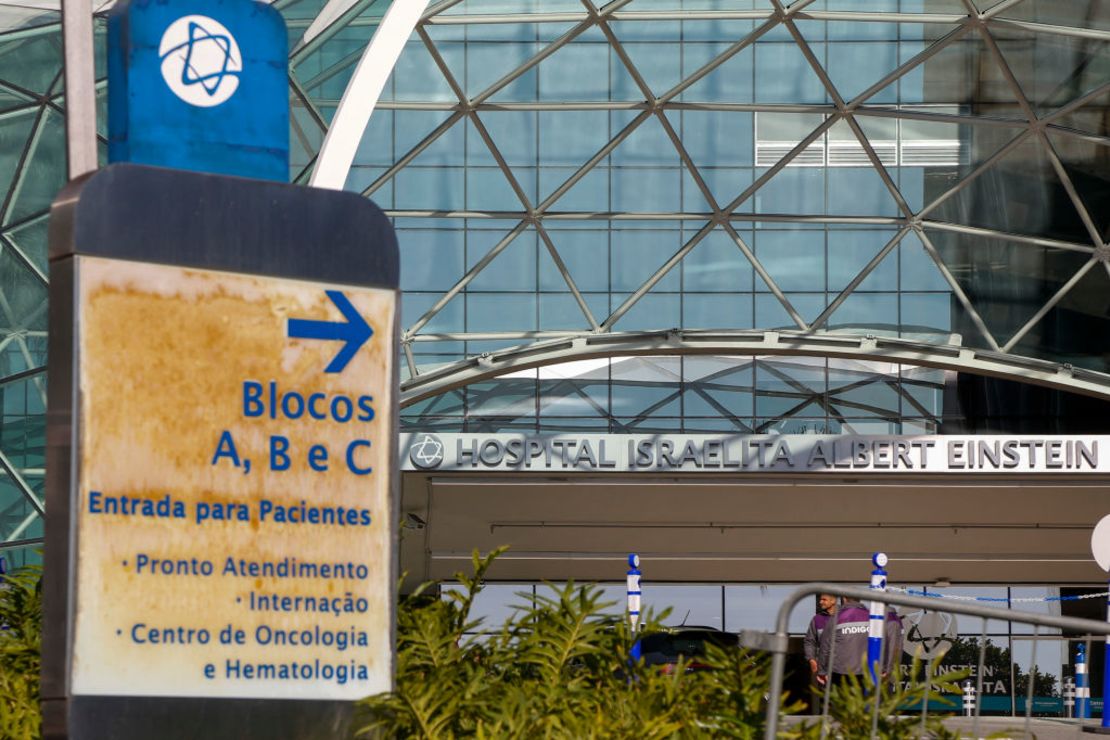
<point x="234" y="532"/>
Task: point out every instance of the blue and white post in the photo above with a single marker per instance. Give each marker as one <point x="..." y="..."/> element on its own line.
<point x="1082" y="687"/>
<point x="634" y="590"/>
<point x="1100" y="548"/>
<point x="878" y="616"/>
<point x="1106" y="678"/>
<point x="634" y="600"/>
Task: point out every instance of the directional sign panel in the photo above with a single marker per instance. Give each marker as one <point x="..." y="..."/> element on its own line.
<point x="234" y="533"/>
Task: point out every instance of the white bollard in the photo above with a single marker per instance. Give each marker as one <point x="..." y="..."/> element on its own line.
<point x="1069" y="697"/>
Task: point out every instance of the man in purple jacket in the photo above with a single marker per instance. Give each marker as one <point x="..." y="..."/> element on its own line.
<point x="850" y="637"/>
<point x="826" y="607"/>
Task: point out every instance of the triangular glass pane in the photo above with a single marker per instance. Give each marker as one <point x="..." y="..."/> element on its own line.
<point x="417" y="78"/>
<point x="864" y="389"/>
<point x="647" y="146"/>
<point x="15" y="130"/>
<point x="513" y="134"/>
<point x="934" y="155"/>
<point x="24" y="294"/>
<point x="522" y="7"/>
<point x="513" y="269"/>
<point x="507" y="398"/>
<point x="305" y="135"/>
<point x="646" y="387"/>
<point x="874" y="307"/>
<point x="857" y="56"/>
<point x="674" y="5"/>
<point x="637" y="250"/>
<point x="585" y="70"/>
<point x="11" y="99"/>
<point x="657" y="309"/>
<point x="299" y="13"/>
<point x="1006" y="282"/>
<point x="561" y="312"/>
<point x="31" y="240"/>
<point x="45" y="168"/>
<point x="963" y="74"/>
<point x="716" y="265"/>
<point x="732" y="80"/>
<point x="325" y="72"/>
<point x="435" y="179"/>
<point x="1086" y="162"/>
<point x="718" y="138"/>
<point x="655" y="50"/>
<point x="1088" y="14"/>
<point x="584" y="248"/>
<point x="445" y="404"/>
<point x="1064" y="334"/>
<point x="1093" y="117"/>
<point x="786" y="388"/>
<point x="16" y="512"/>
<point x="718" y="386"/>
<point x="568" y="139"/>
<point x="1020" y="194"/>
<point x="24" y="397"/>
<point x="724" y="183"/>
<point x="15" y="19"/>
<point x="944" y="7"/>
<point x="772" y="70"/>
<point x="493" y="51"/>
<point x="411" y="128"/>
<point x="578" y="388"/>
<point x="850" y="249"/>
<point x="31" y="63"/>
<point x="849" y="185"/>
<point x="792" y="254"/>
<point x="1054" y="69"/>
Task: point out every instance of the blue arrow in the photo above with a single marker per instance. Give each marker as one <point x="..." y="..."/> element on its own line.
<point x="354" y="331"/>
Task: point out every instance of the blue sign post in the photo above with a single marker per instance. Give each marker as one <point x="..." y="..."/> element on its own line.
<point x="199" y="85"/>
<point x="267" y="334"/>
<point x="878" y="617"/>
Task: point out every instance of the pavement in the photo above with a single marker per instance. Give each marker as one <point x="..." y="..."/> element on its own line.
<point x="1014" y="728"/>
<point x="1004" y="728"/>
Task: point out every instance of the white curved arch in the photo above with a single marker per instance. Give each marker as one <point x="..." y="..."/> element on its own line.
<point x="337" y="153"/>
<point x="774" y="343"/>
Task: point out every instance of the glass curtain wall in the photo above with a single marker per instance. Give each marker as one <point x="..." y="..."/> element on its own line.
<point x="709" y="165"/>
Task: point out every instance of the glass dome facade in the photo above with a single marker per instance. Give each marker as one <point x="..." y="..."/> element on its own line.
<point x="934" y="172"/>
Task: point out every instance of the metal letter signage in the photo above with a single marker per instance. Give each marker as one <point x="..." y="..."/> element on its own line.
<point x="222" y="550"/>
<point x="199" y="86"/>
<point x="738" y="453"/>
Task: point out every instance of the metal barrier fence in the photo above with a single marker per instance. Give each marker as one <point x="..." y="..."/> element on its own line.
<point x="777" y="643"/>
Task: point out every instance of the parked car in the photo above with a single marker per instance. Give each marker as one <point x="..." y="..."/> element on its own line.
<point x="666" y="647"/>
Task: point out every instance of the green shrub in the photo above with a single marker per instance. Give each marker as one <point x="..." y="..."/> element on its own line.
<point x="557" y="669"/>
<point x="20" y="646"/>
<point x="852" y="707"/>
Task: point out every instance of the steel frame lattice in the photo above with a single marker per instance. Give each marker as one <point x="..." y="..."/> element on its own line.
<point x="998" y="359"/>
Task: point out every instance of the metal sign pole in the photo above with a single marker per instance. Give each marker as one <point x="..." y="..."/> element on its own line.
<point x="80" y="82"/>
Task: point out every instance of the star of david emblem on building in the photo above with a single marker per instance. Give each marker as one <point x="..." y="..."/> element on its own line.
<point x="426" y="451"/>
